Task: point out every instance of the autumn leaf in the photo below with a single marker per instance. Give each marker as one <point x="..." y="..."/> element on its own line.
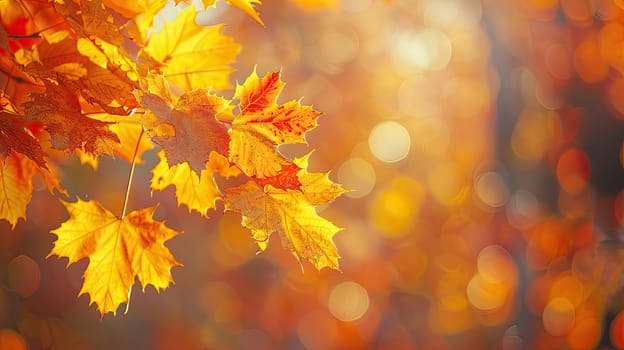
<point x="16" y="172"/>
<point x="248" y="7"/>
<point x="128" y="135"/>
<point x="25" y="18"/>
<point x="187" y="129"/>
<point x="90" y="18"/>
<point x="317" y="188"/>
<point x="192" y="56"/>
<point x="119" y="250"/>
<point x="269" y="210"/>
<point x="197" y="192"/>
<point x="285" y="179"/>
<point x="16" y="84"/>
<point x="59" y="111"/>
<point x="14" y="136"/>
<point x="60" y="60"/>
<point x="262" y="125"/>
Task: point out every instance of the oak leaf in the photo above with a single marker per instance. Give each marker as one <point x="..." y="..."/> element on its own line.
<point x="119" y="250"/>
<point x="190" y="55"/>
<point x="269" y="210"/>
<point x="186" y="128"/>
<point x="16" y="172"/>
<point x="262" y="125"/>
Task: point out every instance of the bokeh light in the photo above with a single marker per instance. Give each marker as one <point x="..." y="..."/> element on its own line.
<point x="426" y="49"/>
<point x="389" y="142"/>
<point x="358" y="175"/>
<point x="558" y="317"/>
<point x="492" y="189"/>
<point x="24" y="275"/>
<point x="348" y="301"/>
<point x="11" y="340"/>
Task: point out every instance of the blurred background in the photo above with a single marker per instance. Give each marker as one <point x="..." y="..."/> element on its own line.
<point x="483" y="141"/>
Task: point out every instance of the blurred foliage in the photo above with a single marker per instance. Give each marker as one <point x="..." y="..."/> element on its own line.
<point x="483" y="140"/>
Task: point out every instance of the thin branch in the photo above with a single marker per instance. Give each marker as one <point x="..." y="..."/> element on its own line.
<point x="136" y="150"/>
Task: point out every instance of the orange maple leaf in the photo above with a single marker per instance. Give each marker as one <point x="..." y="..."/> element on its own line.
<point x="119" y="250"/>
<point x="14" y="136"/>
<point x="59" y="111"/>
<point x="16" y="84"/>
<point x="186" y="128"/>
<point x="262" y="125"/>
<point x="90" y="18"/>
<point x="16" y="172"/>
<point x="26" y="18"/>
<point x="270" y="210"/>
<point x="81" y="69"/>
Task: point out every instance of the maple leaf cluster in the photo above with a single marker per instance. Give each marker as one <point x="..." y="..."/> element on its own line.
<point x="89" y="78"/>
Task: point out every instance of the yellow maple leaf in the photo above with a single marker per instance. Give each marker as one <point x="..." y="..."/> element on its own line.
<point x="193" y="56"/>
<point x="119" y="251"/>
<point x="262" y="125"/>
<point x="317" y="188"/>
<point x="269" y="210"/>
<point x="142" y="13"/>
<point x="128" y="135"/>
<point x="197" y="192"/>
<point x="247" y="6"/>
<point x="16" y="172"/>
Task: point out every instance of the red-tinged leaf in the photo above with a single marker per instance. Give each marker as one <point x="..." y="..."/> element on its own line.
<point x="257" y="94"/>
<point x="262" y="125"/>
<point x="285" y="179"/>
<point x="24" y="19"/>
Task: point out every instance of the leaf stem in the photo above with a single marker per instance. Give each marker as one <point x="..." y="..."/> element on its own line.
<point x="136" y="150"/>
